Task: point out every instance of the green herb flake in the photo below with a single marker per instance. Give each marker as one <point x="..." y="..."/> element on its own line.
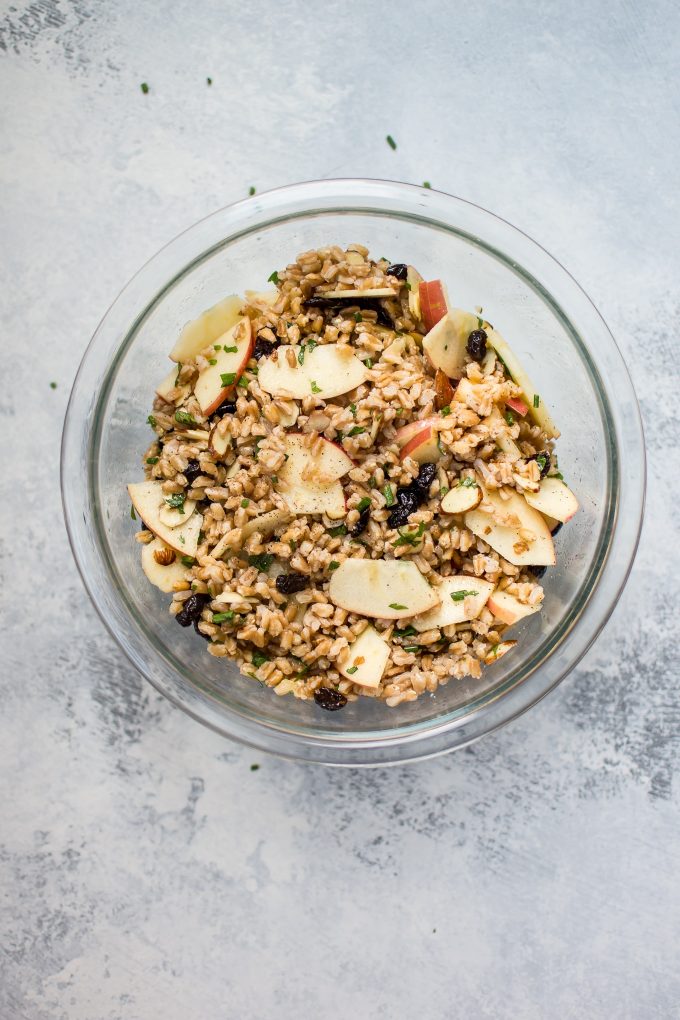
<point x="274" y="278"/>
<point x="410" y="537"/>
<point x="458" y="596"/>
<point x="144" y="87"/>
<point x="152" y="460"/>
<point x="426" y="184"/>
<point x="188" y="561"/>
<point x="340" y="530"/>
<point x="356" y="430"/>
<point x="262" y="561"/>
<point x="301" y="355"/>
<point x="358" y="317"/>
<point x="212" y="361"/>
<point x="352" y="670"/>
<point x="275" y="479"/>
<point x="397" y="605"/>
<point x="182" y="540"/>
<point x="245" y="503"/>
<point x="363" y="503"/>
<point x="151" y="421"/>
<point x="445" y="411"/>
<point x="407" y="285"/>
<point x="557" y="474"/>
<point x="176" y="501"/>
<point x="217" y="347"/>
<point x="541" y="460"/>
<point x="243" y="382"/>
<point x="388" y="493"/>
<point x="509" y="417"/>
<point x="133" y="515"/>
<point x="251" y="190"/>
<point x="224" y="617"/>
<point x="368" y="363"/>
<point x="408" y="631"/>
<point x="208" y="81"/>
<point x="480" y="322"/>
<point x="333" y="565"/>
<point x="391" y="142"/>
<point x="353" y="409"/>
<point x="53" y="386"/>
<point x="184" y="418"/>
<point x="537" y="400"/>
<point x="315" y="388"/>
<point x="230" y="350"/>
<point x="444" y="489"/>
<point x="466" y="483"/>
<point x="411" y="648"/>
<point x="228" y="378"/>
<point x="259" y="659"/>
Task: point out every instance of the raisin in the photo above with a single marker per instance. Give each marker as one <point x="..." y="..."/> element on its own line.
<point x="287" y="584"/>
<point x="337" y="304"/>
<point x="361" y="523"/>
<point x="476" y="344"/>
<point x="329" y="699"/>
<point x="192" y="609"/>
<point x="192" y="471"/>
<point x="537" y="571"/>
<point x="384" y="317"/>
<point x="408" y="501"/>
<point x="425" y="479"/>
<point x="543" y="461"/>
<point x="399" y="269"/>
<point x="263" y="348"/>
<point x="226" y="407"/>
<point x="206" y="637"/>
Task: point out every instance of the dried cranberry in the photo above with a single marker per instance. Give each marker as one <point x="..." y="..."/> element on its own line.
<point x="476" y="344"/>
<point x="206" y="637"/>
<point x="226" y="407"/>
<point x="192" y="609"/>
<point x="192" y="471"/>
<point x="263" y="348"/>
<point x="329" y="699"/>
<point x="425" y="479"/>
<point x="543" y="461"/>
<point x="287" y="584"/>
<point x="408" y="501"/>
<point x="361" y="523"/>
<point x="399" y="269"/>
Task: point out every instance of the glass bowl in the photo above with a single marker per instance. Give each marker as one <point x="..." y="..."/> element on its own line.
<point x="556" y="331"/>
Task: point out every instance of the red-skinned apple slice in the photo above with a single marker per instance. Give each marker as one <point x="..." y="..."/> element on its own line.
<point x="455" y="607"/>
<point x="498" y="651"/>
<point x="445" y="344"/>
<point x="308" y="483"/>
<point x="461" y="498"/>
<point x="505" y="539"/>
<point x="327" y="463"/>
<point x="327" y="371"/>
<point x="383" y="589"/>
<point x="537" y="409"/>
<point x="367" y="659"/>
<point x="164" y="575"/>
<point x="554" y="499"/>
<point x="207" y="328"/>
<point x="414" y="280"/>
<point x="148" y="498"/>
<point x="423" y="447"/>
<point x="433" y="302"/>
<point x="404" y="434"/>
<point x="518" y="406"/>
<point x="508" y="608"/>
<point x="216" y="382"/>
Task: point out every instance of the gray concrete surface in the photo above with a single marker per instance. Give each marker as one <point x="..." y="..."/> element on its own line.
<point x="145" y="870"/>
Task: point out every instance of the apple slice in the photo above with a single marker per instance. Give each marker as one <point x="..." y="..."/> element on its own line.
<point x="518" y="406"/>
<point x="167" y="385"/>
<point x="423" y="447"/>
<point x="171" y="517"/>
<point x="262" y="297"/>
<point x="537" y="409"/>
<point x="328" y="371"/>
<point x="462" y="598"/>
<point x="375" y="292"/>
<point x="461" y="498"/>
<point x="148" y="498"/>
<point x="446" y="342"/>
<point x="503" y="439"/>
<point x="536" y="550"/>
<point x="555" y="499"/>
<point x="498" y="651"/>
<point x="216" y="382"/>
<point x="207" y="328"/>
<point x="367" y="659"/>
<point x="268" y="522"/>
<point x="404" y="434"/>
<point x="414" y="280"/>
<point x="385" y="589"/>
<point x="433" y="302"/>
<point x="162" y="566"/>
<point x="309" y="483"/>
<point x="394" y="353"/>
<point x="219" y="444"/>
<point x="508" y="608"/>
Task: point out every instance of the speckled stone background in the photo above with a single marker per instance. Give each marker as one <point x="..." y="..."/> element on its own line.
<point x="145" y="870"/>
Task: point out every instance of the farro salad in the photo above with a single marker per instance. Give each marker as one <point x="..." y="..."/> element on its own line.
<point x="352" y="488"/>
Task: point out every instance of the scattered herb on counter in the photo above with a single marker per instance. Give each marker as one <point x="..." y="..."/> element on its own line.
<point x="274" y="278"/>
<point x="53" y="386"/>
<point x="254" y="767"/>
<point x="426" y="184"/>
<point x="144" y="87"/>
<point x="390" y="141"/>
<point x="133" y="515"/>
<point x="230" y="350"/>
<point x="251" y="190"/>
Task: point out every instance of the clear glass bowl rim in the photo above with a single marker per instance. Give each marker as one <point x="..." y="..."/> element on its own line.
<point x="440" y="210"/>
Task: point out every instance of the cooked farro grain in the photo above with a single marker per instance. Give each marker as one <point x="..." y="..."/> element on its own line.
<point x="316" y="512"/>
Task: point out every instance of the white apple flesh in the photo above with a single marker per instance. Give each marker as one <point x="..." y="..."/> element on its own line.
<point x="326" y="371"/>
<point x="539" y="413"/>
<point x="172" y="517"/>
<point x="236" y="346"/>
<point x="148" y="499"/>
<point x="457" y="609"/>
<point x="383" y="589"/>
<point x="445" y="344"/>
<point x="207" y="328"/>
<point x="168" y="384"/>
<point x="367" y="659"/>
<point x="165" y="576"/>
<point x="534" y="548"/>
<point x="508" y="608"/>
<point x="267" y="523"/>
<point x="309" y="482"/>
<point x="555" y="499"/>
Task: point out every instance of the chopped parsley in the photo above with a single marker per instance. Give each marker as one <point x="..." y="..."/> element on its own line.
<point x="133" y="515"/>
<point x="389" y="496"/>
<point x="352" y="670"/>
<point x="188" y="561"/>
<point x="229" y="350"/>
<point x="144" y="87"/>
<point x="537" y="400"/>
<point x="315" y="388"/>
<point x="390" y="141"/>
<point x="445" y="411"/>
<point x="301" y="355"/>
<point x="509" y="417"/>
<point x="358" y="317"/>
<point x="397" y="605"/>
<point x="176" y="501"/>
<point x="356" y="431"/>
<point x="333" y="565"/>
<point x="274" y="278"/>
<point x="245" y="503"/>
<point x="426" y="184"/>
<point x="262" y="561"/>
<point x="408" y="631"/>
<point x="259" y="659"/>
<point x="458" y="596"/>
<point x="151" y="421"/>
<point x="363" y="503"/>
<point x="557" y="474"/>
<point x="243" y="382"/>
<point x="494" y="650"/>
<point x="152" y="460"/>
<point x="340" y="530"/>
<point x="254" y="767"/>
<point x="466" y="483"/>
<point x="223" y="617"/>
<point x="184" y="418"/>
<point x="228" y="378"/>
<point x="251" y="190"/>
<point x="411" y="648"/>
<point x="444" y="489"/>
<point x="368" y="363"/>
<point x="218" y="347"/>
<point x="541" y="460"/>
<point x="212" y="361"/>
<point x="410" y="537"/>
<point x="480" y="322"/>
<point x="208" y="81"/>
<point x="353" y="409"/>
<point x="53" y="386"/>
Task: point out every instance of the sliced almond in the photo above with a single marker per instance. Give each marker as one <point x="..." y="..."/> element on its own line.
<point x="498" y="651"/>
<point x="172" y="518"/>
<point x="461" y="498"/>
